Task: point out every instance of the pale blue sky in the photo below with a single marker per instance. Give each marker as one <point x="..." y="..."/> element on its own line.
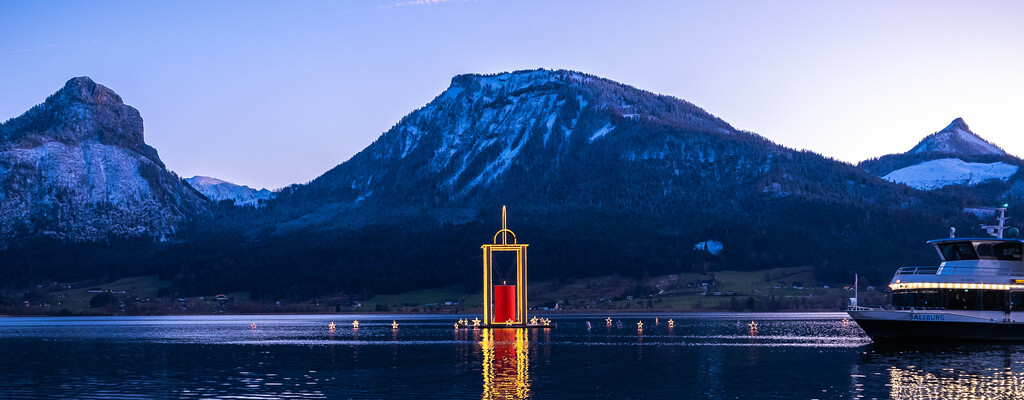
<point x="271" y="93"/>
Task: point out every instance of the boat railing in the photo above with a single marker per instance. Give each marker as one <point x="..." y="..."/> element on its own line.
<point x="979" y="271"/>
<point x="903" y="308"/>
<point x="888" y="307"/>
<point x="954" y="269"/>
<point x="918" y="270"/>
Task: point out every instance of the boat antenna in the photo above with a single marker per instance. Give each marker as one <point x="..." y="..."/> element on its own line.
<point x="997" y="230"/>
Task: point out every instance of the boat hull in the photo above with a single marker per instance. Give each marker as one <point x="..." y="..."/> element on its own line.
<point x="936" y="326"/>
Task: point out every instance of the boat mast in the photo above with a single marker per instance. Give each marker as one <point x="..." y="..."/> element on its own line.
<point x="997" y="230"/>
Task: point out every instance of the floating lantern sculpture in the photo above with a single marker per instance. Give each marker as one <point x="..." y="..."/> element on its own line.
<point x="394" y="325"/>
<point x="505" y="303"/>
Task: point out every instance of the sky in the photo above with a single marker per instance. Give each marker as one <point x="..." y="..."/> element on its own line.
<point x="267" y="94"/>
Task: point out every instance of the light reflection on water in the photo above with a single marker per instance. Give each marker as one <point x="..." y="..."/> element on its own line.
<point x="702" y="356"/>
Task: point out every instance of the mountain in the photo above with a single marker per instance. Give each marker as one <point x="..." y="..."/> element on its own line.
<point x="599" y="177"/>
<point x="952" y="156"/>
<point x="603" y="178"/>
<point x="76" y="168"/>
<point x="957" y="138"/>
<point x="543" y="138"/>
<point x="218" y="190"/>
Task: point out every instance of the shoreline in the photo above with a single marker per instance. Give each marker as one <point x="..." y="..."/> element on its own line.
<point x="546" y="313"/>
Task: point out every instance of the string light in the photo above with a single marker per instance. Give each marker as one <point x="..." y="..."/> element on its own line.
<point x="944" y="285"/>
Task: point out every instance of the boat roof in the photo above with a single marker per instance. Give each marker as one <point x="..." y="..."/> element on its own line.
<point x="967" y="239"/>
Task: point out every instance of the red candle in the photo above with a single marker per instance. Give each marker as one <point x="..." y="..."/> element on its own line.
<point x="504" y="303"/>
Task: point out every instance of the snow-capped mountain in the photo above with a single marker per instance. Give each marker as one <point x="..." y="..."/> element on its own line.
<point x="76" y="167"/>
<point x="218" y="190"/>
<point x="956" y="138"/>
<point x="953" y="156"/>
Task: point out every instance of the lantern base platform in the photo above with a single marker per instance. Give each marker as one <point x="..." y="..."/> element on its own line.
<point x="505" y="326"/>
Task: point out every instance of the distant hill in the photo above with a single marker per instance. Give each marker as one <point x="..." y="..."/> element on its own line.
<point x="218" y="190"/>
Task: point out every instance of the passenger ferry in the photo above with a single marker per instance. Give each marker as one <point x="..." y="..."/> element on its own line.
<point x="976" y="293"/>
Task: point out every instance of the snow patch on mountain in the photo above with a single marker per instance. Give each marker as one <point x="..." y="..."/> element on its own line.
<point x="601" y="132"/>
<point x="939" y="173"/>
<point x="219" y="190"/>
<point x="711" y="246"/>
<point x="981" y="212"/>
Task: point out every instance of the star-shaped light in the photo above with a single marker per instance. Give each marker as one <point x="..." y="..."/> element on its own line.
<point x="639" y="325"/>
<point x="394" y="325"/>
<point x="476" y="322"/>
<point x="608" y="321"/>
<point x="533" y="321"/>
<point x="331" y="326"/>
<point x="671" y="323"/>
<point x="355" y="324"/>
<point x="252" y="325"/>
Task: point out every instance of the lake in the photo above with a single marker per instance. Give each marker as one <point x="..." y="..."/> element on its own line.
<point x="715" y="356"/>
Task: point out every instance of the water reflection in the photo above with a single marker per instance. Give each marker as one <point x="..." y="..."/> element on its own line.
<point x="913" y="382"/>
<point x="698" y="356"/>
<point x="506" y="363"/>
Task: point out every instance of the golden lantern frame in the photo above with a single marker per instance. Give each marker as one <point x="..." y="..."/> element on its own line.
<point x="520" y="253"/>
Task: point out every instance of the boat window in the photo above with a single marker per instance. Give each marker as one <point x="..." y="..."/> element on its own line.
<point x="1008" y="251"/>
<point x="963" y="299"/>
<point x="999" y="251"/>
<point x="993" y="300"/>
<point x="958" y="251"/>
<point x="1016" y="301"/>
<point x="959" y="299"/>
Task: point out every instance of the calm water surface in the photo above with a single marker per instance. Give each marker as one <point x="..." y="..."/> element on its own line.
<point x="716" y="356"/>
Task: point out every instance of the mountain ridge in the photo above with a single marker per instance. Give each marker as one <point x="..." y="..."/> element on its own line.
<point x="600" y="177"/>
<point x="220" y="190"/>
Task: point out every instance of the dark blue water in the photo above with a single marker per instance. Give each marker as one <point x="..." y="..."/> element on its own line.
<point x="713" y="356"/>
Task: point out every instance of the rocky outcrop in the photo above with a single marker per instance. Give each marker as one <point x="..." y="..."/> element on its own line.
<point x="76" y="167"/>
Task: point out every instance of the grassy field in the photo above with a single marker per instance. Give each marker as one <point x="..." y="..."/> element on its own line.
<point x="764" y="290"/>
<point x="76" y="299"/>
